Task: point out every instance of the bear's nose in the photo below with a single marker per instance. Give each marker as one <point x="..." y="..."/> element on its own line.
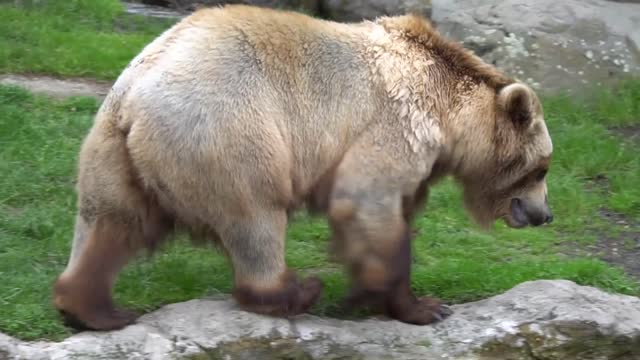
<point x="548" y="219"/>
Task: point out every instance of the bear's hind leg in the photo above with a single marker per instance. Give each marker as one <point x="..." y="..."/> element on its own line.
<point x="263" y="283"/>
<point x="82" y="293"/>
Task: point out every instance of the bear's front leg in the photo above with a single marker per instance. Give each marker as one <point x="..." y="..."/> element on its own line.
<point x="369" y="217"/>
<point x="401" y="303"/>
<point x="382" y="279"/>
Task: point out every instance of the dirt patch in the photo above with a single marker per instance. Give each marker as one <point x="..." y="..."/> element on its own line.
<point x="622" y="247"/>
<point x="619" y="245"/>
<point x="59" y="88"/>
<point x="599" y="183"/>
<point x="631" y="132"/>
<point x="152" y="10"/>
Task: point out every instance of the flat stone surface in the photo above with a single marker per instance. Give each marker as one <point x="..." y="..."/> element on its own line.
<point x="535" y="320"/>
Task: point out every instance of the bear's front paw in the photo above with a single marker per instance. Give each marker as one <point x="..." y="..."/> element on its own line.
<point x="293" y="298"/>
<point x="308" y="292"/>
<point x="421" y="311"/>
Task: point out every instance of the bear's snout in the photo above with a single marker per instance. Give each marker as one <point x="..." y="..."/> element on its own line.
<point x="525" y="212"/>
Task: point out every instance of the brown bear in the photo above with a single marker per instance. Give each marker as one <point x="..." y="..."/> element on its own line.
<point x="238" y="115"/>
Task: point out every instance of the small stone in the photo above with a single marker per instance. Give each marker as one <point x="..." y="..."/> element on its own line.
<point x="589" y="54"/>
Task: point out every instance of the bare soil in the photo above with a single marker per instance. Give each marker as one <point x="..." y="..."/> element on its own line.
<point x="57" y="87"/>
<point x="623" y="248"/>
<point x="630" y="132"/>
<point x="621" y="245"/>
<point x="150" y="10"/>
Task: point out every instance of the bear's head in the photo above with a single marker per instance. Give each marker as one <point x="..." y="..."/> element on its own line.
<point x="507" y="156"/>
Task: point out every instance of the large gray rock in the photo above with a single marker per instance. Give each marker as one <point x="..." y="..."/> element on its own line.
<point x="535" y="320"/>
<point x="568" y="44"/>
<point x="357" y="10"/>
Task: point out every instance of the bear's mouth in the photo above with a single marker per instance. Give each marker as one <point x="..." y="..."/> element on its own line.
<point x="518" y="217"/>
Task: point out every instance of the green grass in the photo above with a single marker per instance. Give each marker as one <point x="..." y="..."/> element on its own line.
<point x="72" y="38"/>
<point x="40" y="139"/>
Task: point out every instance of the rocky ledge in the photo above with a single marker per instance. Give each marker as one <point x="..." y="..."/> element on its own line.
<point x="535" y="320"/>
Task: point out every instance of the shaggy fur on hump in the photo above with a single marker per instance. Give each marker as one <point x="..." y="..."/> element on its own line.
<point x="455" y="57"/>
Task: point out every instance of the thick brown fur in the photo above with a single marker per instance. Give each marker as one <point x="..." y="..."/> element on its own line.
<point x="237" y="116"/>
<point x="452" y="55"/>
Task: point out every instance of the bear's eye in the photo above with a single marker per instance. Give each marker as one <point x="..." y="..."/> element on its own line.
<point x="541" y="174"/>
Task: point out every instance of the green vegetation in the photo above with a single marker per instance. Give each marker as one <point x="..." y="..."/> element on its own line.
<point x="72" y="38"/>
<point x="40" y="139"/>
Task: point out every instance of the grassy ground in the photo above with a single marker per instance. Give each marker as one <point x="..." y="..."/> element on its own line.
<point x="72" y="38"/>
<point x="39" y="141"/>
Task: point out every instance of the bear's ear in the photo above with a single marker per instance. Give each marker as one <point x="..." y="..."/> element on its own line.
<point x="515" y="102"/>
